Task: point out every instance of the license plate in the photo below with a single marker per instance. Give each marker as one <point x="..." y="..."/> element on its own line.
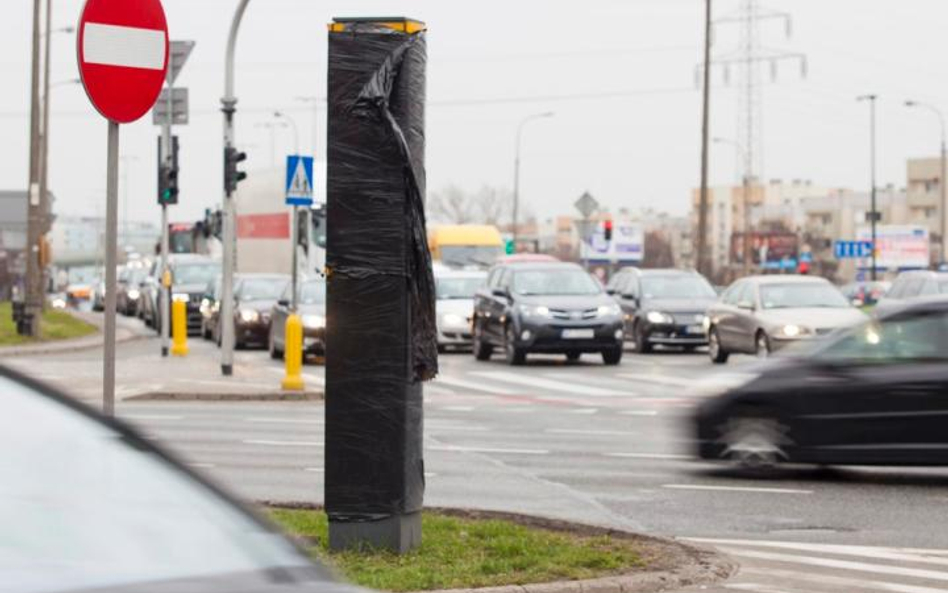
<point x="695" y="329"/>
<point x="578" y="334"/>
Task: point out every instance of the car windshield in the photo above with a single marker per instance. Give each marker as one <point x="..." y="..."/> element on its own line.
<point x="313" y="293"/>
<point x="676" y="287"/>
<point x="891" y="341"/>
<point x="195" y="273"/>
<point x="458" y="288"/>
<point x="463" y="255"/>
<point x="554" y="282"/>
<point x="83" y="507"/>
<point x="801" y="295"/>
<point x="261" y="289"/>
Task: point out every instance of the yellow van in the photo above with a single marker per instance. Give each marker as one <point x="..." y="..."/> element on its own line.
<point x="465" y="244"/>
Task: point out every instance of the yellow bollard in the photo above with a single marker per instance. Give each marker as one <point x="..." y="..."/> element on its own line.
<point x="293" y="354"/>
<point x="179" y="328"/>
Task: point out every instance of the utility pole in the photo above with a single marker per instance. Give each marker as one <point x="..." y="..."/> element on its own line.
<point x="942" y="185"/>
<point x="44" y="147"/>
<point x="34" y="273"/>
<point x="873" y="214"/>
<point x="516" y="196"/>
<point x="702" y="246"/>
<point x="229" y="108"/>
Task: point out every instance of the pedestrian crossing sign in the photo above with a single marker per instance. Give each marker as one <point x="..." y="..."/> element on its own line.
<point x="299" y="180"/>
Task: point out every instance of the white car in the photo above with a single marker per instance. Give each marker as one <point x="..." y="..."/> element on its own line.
<point x="455" y="306"/>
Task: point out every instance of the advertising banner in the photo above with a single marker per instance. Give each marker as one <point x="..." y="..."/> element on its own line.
<point x="627" y="244"/>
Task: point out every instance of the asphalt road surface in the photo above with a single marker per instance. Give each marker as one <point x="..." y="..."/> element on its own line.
<point x="584" y="442"/>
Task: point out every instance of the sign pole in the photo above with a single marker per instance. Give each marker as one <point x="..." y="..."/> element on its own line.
<point x="111" y="248"/>
<point x="295" y="236"/>
<point x="165" y="285"/>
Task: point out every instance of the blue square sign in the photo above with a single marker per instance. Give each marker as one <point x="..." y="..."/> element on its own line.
<point x="299" y="180"/>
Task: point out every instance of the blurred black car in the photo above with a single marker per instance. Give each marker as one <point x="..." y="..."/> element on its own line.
<point x="129" y="290"/>
<point x="254" y="298"/>
<point x="874" y="394"/>
<point x="190" y="274"/>
<point x="89" y="505"/>
<point x="665" y="307"/>
<point x="545" y="307"/>
<point x="312" y="312"/>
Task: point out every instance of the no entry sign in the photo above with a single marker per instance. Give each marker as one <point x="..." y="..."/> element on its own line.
<point x="123" y="56"/>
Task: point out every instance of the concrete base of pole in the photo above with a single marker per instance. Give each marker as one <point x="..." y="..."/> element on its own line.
<point x="227" y="370"/>
<point x="399" y="533"/>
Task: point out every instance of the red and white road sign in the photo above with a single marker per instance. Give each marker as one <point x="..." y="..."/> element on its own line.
<point x="123" y="56"/>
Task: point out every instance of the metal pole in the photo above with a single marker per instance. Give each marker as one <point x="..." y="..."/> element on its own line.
<point x="875" y="215"/>
<point x="748" y="250"/>
<point x="34" y="298"/>
<point x="44" y="155"/>
<point x="165" y="291"/>
<point x="516" y="196"/>
<point x="701" y="250"/>
<point x="229" y="107"/>
<point x="944" y="195"/>
<point x="295" y="263"/>
<point x="111" y="247"/>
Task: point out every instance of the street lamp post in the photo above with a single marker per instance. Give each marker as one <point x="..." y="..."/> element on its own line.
<point x="229" y="108"/>
<point x="516" y="196"/>
<point x="873" y="215"/>
<point x="943" y="206"/>
<point x="745" y="204"/>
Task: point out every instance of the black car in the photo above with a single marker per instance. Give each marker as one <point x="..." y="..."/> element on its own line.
<point x="90" y="505"/>
<point x="874" y="394"/>
<point x="545" y="307"/>
<point x="190" y="275"/>
<point x="663" y="306"/>
<point x="254" y="297"/>
<point x="312" y="311"/>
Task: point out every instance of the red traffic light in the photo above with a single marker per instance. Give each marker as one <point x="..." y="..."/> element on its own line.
<point x="607" y="229"/>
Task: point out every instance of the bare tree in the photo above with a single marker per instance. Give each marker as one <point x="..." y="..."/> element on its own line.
<point x="453" y="205"/>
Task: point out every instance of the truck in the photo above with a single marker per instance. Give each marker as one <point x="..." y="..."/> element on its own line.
<point x="465" y="245"/>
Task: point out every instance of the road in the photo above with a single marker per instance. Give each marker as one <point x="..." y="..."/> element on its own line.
<point x="584" y="442"/>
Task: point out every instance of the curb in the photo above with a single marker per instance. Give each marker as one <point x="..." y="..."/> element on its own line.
<point x="676" y="564"/>
<point x="229" y="397"/>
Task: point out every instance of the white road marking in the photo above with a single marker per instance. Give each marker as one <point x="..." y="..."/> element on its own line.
<point x="271" y="443"/>
<point x="265" y="420"/>
<point x="317" y="470"/>
<point x="638" y="413"/>
<point x="455" y="428"/>
<point x="200" y="465"/>
<point x="459" y="449"/>
<point x="129" y="47"/>
<point x="464" y="384"/>
<point x="660" y="379"/>
<point x="648" y="455"/>
<point x="754" y="588"/>
<point x="850" y="584"/>
<point x="587" y="411"/>
<point x="590" y="432"/>
<point x="880" y="553"/>
<point x="457" y="408"/>
<point x="919" y="573"/>
<point x="156" y="417"/>
<point x="538" y="382"/>
<point x="736" y="489"/>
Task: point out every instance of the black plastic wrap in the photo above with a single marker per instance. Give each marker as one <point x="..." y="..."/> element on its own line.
<point x="381" y="331"/>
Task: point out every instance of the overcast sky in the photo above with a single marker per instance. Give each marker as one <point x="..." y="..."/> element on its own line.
<point x="618" y="73"/>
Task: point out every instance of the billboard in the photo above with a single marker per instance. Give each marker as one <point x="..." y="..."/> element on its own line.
<point x="627" y="244"/>
<point x="769" y="250"/>
<point x="898" y="246"/>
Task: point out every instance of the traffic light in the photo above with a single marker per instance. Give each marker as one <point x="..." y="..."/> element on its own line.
<point x="231" y="175"/>
<point x="318" y="218"/>
<point x="168" y="175"/>
<point x="607" y="229"/>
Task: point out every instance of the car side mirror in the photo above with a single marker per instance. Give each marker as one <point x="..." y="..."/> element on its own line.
<point x="283" y="302"/>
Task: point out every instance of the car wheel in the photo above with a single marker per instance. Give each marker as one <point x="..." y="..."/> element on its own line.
<point x="762" y="345"/>
<point x="482" y="350"/>
<point x="717" y="352"/>
<point x="515" y="356"/>
<point x="641" y="341"/>
<point x="573" y="356"/>
<point x="612" y="357"/>
<point x="754" y="442"/>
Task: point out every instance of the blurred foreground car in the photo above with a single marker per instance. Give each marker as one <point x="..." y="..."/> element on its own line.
<point x="875" y="394"/>
<point x="455" y="306"/>
<point x="760" y="314"/>
<point x="312" y="311"/>
<point x="87" y="504"/>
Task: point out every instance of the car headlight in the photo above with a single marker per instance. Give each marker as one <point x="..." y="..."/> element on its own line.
<point x="314" y="321"/>
<point x="453" y="319"/>
<point x="608" y="310"/>
<point x="535" y="310"/>
<point x="180" y="297"/>
<point x="706" y="323"/>
<point x="793" y="331"/>
<point x="249" y="315"/>
<point x="133" y="294"/>
<point x="659" y="317"/>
